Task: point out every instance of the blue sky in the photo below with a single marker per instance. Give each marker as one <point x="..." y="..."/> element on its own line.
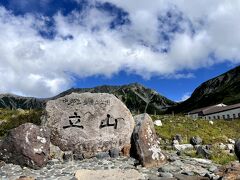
<point x="171" y="46"/>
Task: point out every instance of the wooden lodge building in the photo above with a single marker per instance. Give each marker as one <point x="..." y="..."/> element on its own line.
<point x="219" y="111"/>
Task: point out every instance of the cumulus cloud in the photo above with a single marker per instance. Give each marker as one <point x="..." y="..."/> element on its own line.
<point x="162" y="39"/>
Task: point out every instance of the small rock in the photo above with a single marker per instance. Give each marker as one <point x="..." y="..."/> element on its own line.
<point x="56" y="152"/>
<point x="179" y="153"/>
<point x="211" y="122"/>
<point x="188" y="173"/>
<point x="114" y="153"/>
<point x="222" y="146"/>
<point x="178" y="137"/>
<point x="182" y="147"/>
<point x="175" y="142"/>
<point x="78" y="157"/>
<point x="2" y="163"/>
<point x="230" y="147"/>
<point x="68" y="156"/>
<point x="208" y="175"/>
<point x="169" y="168"/>
<point x="166" y="174"/>
<point x="102" y="155"/>
<point x="212" y="168"/>
<point x="195" y="140"/>
<point x="126" y="150"/>
<point x="158" y="123"/>
<point x="201" y="151"/>
<point x="231" y="141"/>
<point x="203" y="161"/>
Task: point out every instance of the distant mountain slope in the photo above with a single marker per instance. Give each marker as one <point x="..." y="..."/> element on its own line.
<point x="13" y="102"/>
<point x="221" y="89"/>
<point x="136" y="97"/>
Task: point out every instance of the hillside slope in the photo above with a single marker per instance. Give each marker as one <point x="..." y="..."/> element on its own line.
<point x="136" y="97"/>
<point x="11" y="101"/>
<point x="221" y="89"/>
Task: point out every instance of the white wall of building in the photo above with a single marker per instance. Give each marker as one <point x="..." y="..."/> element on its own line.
<point x="194" y="116"/>
<point x="229" y="114"/>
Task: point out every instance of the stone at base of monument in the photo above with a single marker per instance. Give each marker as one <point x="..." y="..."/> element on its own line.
<point x="114" y="153"/>
<point x="78" y="157"/>
<point x="26" y="145"/>
<point x="89" y="123"/>
<point x="146" y="143"/>
<point x="68" y="156"/>
<point x="56" y="152"/>
<point x="102" y="155"/>
<point x="126" y="150"/>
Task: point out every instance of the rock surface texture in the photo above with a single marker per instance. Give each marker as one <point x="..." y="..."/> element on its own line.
<point x="89" y="123"/>
<point x="179" y="168"/>
<point x="230" y="171"/>
<point x="26" y="145"/>
<point x="237" y="149"/>
<point x="110" y="174"/>
<point x="146" y="143"/>
<point x="195" y="140"/>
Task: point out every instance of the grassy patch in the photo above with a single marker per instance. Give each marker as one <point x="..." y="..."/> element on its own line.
<point x="221" y="157"/>
<point x="218" y="156"/>
<point x="10" y="119"/>
<point x="220" y="131"/>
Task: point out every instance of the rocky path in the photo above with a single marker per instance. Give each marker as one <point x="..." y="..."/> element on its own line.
<point x="177" y="168"/>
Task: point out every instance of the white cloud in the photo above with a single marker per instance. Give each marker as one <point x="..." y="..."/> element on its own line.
<point x="184" y="97"/>
<point x="32" y="65"/>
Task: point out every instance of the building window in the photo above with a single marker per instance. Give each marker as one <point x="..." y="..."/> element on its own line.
<point x="228" y="116"/>
<point x="223" y="116"/>
<point x="234" y="116"/>
<point x="209" y="117"/>
<point x="239" y="115"/>
<point x="218" y="117"/>
<point x="214" y="117"/>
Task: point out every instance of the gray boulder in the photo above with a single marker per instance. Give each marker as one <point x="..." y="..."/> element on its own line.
<point x="195" y="140"/>
<point x="237" y="149"/>
<point x="178" y="137"/>
<point x="202" y="151"/>
<point x="89" y="123"/>
<point x="145" y="142"/>
<point x="26" y="145"/>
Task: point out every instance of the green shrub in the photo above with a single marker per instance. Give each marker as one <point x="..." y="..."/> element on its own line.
<point x="13" y="118"/>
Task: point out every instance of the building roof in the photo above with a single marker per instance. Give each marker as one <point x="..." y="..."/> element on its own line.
<point x="215" y="109"/>
<point x="221" y="109"/>
<point x="206" y="109"/>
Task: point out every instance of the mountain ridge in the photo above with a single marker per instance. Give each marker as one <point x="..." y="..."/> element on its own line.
<point x="224" y="88"/>
<point x="137" y="98"/>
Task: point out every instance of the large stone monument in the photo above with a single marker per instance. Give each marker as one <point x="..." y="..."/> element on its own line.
<point x="89" y="123"/>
